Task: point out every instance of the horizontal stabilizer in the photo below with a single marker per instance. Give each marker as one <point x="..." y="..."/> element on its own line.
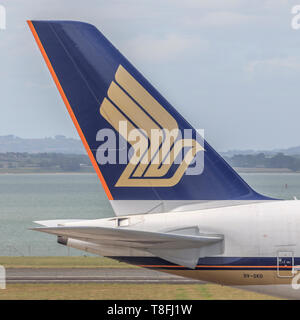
<point x="178" y="248"/>
<point x="55" y="223"/>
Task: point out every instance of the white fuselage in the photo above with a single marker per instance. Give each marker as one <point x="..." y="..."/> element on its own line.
<point x="261" y="244"/>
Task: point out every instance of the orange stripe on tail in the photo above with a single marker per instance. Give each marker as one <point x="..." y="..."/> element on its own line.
<point x="61" y="91"/>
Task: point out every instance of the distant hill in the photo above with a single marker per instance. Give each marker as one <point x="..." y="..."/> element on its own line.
<point x="290" y="151"/>
<point x="293" y="151"/>
<point x="62" y="144"/>
<point x="58" y="144"/>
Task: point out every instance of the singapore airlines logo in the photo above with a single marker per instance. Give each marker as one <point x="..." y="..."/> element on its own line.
<point x="154" y="136"/>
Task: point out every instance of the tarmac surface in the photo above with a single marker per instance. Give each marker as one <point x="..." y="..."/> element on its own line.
<point x="92" y="275"/>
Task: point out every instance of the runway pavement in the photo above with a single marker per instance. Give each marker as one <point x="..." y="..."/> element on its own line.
<point x="91" y="275"/>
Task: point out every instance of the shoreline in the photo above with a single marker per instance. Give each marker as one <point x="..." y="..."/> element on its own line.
<point x="46" y="173"/>
<point x="238" y="170"/>
<point x="263" y="170"/>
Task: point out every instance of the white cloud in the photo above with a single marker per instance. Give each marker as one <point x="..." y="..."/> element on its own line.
<point x="219" y="19"/>
<point x="165" y="48"/>
<point x="207" y="4"/>
<point x="273" y="64"/>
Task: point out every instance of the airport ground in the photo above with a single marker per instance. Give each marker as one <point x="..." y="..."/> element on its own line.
<point x="69" y="278"/>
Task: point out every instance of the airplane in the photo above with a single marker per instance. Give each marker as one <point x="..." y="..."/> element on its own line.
<point x="206" y="224"/>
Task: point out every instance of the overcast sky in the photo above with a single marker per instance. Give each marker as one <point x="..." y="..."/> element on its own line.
<point x="231" y="67"/>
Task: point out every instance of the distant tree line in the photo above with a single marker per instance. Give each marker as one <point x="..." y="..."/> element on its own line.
<point x="54" y="161"/>
<point x="76" y="162"/>
<point x="260" y="160"/>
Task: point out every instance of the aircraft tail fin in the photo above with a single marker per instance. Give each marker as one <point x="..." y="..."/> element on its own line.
<point x="114" y="108"/>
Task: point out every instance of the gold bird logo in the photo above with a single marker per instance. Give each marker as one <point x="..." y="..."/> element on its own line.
<point x="159" y="144"/>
